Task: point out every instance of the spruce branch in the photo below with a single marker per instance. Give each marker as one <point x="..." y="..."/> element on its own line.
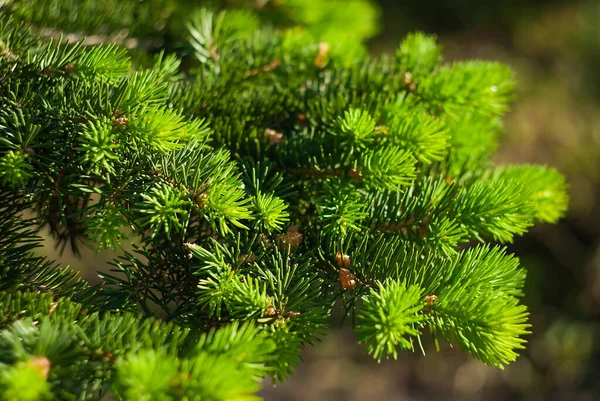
<point x="266" y="169"/>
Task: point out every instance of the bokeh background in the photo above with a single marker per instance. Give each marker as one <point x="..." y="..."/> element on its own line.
<point x="554" y="48"/>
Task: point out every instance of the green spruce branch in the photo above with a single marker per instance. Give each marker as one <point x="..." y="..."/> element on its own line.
<point x="267" y="170"/>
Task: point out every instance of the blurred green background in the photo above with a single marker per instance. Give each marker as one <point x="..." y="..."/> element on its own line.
<point x="554" y="48"/>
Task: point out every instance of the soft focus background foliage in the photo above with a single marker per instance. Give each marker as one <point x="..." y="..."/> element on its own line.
<point x="554" y="47"/>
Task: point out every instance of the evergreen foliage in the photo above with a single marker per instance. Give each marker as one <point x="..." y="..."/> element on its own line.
<point x="266" y="169"/>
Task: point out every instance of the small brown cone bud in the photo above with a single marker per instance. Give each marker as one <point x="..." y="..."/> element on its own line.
<point x="69" y="68"/>
<point x="429" y="300"/>
<point x="323" y="52"/>
<point x="292" y="239"/>
<point x="383" y="129"/>
<point x="270" y="311"/>
<point x="407" y="78"/>
<point x="347" y="279"/>
<point x="42" y="364"/>
<point x="120" y="122"/>
<point x="355" y="174"/>
<point x="273" y="136"/>
<point x="213" y="51"/>
<point x="191" y="246"/>
<point x="342" y="260"/>
<point x="272" y="65"/>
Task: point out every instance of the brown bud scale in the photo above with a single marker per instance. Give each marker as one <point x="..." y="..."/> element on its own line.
<point x="347" y="279"/>
<point x="342" y="260"/>
<point x="42" y="364"/>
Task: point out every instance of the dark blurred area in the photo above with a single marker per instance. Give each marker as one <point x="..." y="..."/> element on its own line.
<point x="554" y="48"/>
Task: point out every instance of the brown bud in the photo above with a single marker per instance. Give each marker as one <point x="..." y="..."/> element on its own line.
<point x="201" y="199"/>
<point x="52" y="307"/>
<point x="355" y="174"/>
<point x="107" y="355"/>
<point x="191" y="246"/>
<point x="42" y="364"/>
<point x="384" y="129"/>
<point x="69" y="68"/>
<point x="291" y="314"/>
<point x="323" y="52"/>
<point x="292" y="239"/>
<point x="273" y="136"/>
<point x="347" y="279"/>
<point x="120" y="122"/>
<point x="407" y="78"/>
<point x="271" y="311"/>
<point x="213" y="51"/>
<point x="272" y="65"/>
<point x="429" y="300"/>
<point x="342" y="260"/>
